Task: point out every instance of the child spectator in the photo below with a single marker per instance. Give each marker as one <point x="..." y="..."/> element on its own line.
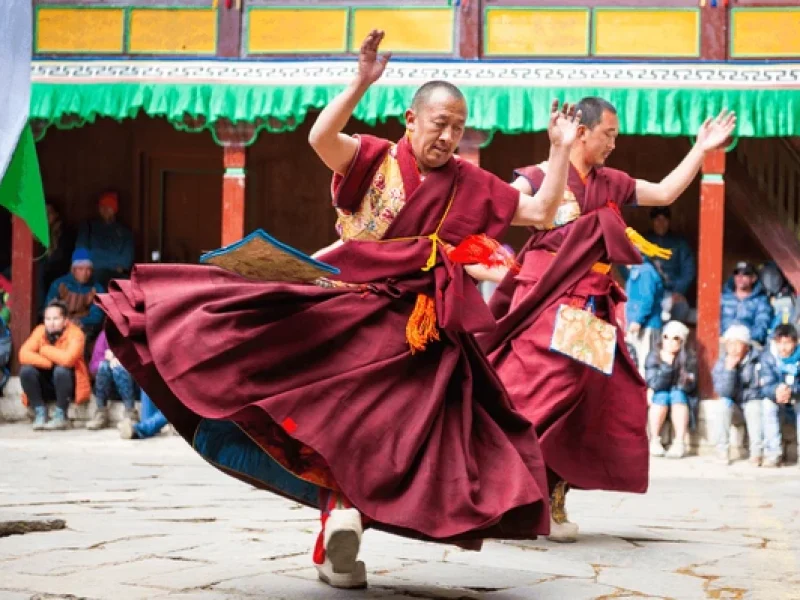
<point x="52" y="365"/>
<point x="736" y="382"/>
<point x="670" y="371"/>
<point x="780" y="387"/>
<point x="110" y="376"/>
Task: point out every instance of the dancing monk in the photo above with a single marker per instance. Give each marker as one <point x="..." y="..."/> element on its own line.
<point x="558" y="348"/>
<point x="365" y="395"/>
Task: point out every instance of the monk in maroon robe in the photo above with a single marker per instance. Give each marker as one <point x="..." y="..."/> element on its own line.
<point x="366" y="394"/>
<point x="589" y="406"/>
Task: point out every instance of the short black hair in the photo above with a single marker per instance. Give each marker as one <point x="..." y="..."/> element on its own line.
<point x="659" y="211"/>
<point x="423" y="95"/>
<point x="60" y="305"/>
<point x="592" y="109"/>
<point x="785" y="330"/>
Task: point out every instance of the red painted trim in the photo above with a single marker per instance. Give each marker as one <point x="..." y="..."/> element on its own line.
<point x="233" y="195"/>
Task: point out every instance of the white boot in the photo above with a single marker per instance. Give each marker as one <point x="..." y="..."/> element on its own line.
<point x="561" y="530"/>
<point x="342" y="539"/>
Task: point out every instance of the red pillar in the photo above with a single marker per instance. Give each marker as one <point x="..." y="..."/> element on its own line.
<point x="233" y="188"/>
<point x="23" y="294"/>
<point x="712" y="222"/>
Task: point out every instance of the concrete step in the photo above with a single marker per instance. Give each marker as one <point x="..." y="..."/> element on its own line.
<point x="12" y="410"/>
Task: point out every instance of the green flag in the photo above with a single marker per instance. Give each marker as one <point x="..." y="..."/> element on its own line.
<point x="20" y="180"/>
<point x="21" y="188"/>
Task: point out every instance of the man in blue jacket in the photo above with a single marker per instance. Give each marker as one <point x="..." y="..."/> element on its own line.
<point x="110" y="242"/>
<point x="645" y="291"/>
<point x="77" y="290"/>
<point x="780" y="387"/>
<point x="679" y="271"/>
<point x="745" y="302"/>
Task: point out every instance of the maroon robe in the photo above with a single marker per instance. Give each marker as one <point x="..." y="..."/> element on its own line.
<point x="425" y="444"/>
<point x="591" y="427"/>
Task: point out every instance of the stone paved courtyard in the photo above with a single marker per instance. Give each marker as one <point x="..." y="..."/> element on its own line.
<point x="152" y="520"/>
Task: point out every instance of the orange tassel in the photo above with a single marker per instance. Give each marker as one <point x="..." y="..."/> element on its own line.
<point x="421" y="327"/>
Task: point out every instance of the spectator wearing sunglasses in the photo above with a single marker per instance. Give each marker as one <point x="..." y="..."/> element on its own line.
<point x="745" y="302"/>
<point x="671" y="373"/>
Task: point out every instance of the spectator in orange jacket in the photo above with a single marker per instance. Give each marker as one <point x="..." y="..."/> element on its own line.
<point x="53" y="365"/>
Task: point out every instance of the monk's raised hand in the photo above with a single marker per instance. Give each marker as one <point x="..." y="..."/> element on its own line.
<point x="371" y="64"/>
<point x="716" y="132"/>
<point x="562" y="128"/>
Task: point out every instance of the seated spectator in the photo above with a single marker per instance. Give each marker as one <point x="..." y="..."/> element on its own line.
<point x="110" y="242"/>
<point x="77" y="290"/>
<point x="670" y="371"/>
<point x="53" y="366"/>
<point x="54" y="260"/>
<point x="737" y="383"/>
<point x="780" y="387"/>
<point x="110" y="376"/>
<point x="5" y="300"/>
<point x="781" y="295"/>
<point x="645" y="290"/>
<point x="151" y="423"/>
<point x="679" y="271"/>
<point x="745" y="302"/>
<point x="5" y="354"/>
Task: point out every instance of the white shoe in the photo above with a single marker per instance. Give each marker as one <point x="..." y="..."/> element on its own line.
<point x="342" y="541"/>
<point x="357" y="578"/>
<point x="563" y="533"/>
<point x="723" y="458"/>
<point x="656" y="449"/>
<point x="676" y="450"/>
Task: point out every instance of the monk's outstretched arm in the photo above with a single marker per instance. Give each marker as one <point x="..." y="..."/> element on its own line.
<point x="539" y="210"/>
<point x="713" y="134"/>
<point x="337" y="149"/>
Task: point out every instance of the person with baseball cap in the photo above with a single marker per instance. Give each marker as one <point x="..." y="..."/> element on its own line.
<point x="745" y="302"/>
<point x="736" y="382"/>
<point x="110" y="242"/>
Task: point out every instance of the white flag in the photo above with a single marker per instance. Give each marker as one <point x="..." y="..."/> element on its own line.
<point x="16" y="34"/>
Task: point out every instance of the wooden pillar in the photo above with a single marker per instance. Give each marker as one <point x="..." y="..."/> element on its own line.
<point x="233" y="188"/>
<point x="23" y="280"/>
<point x="714" y="32"/>
<point x="712" y="223"/>
<point x="469" y="29"/>
<point x="470" y="147"/>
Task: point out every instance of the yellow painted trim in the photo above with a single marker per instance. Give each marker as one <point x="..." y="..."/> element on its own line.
<point x="770" y="32"/>
<point x="293" y="30"/>
<point x="424" y="30"/>
<point x="522" y="31"/>
<point x="172" y="31"/>
<point x="79" y="30"/>
<point x="646" y="32"/>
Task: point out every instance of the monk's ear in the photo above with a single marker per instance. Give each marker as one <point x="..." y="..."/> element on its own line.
<point x="411" y="120"/>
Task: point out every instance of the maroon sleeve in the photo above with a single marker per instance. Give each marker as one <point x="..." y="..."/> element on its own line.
<point x="533" y="174"/>
<point x="625" y="189"/>
<point x="493" y="201"/>
<point x="348" y="190"/>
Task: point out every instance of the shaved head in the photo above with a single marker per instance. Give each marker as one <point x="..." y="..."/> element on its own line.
<point x="423" y="95"/>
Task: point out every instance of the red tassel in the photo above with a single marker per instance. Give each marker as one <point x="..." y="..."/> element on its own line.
<point x="482" y="250"/>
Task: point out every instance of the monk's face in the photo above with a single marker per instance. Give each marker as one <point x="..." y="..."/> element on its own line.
<point x="436" y="129"/>
<point x="599" y="142"/>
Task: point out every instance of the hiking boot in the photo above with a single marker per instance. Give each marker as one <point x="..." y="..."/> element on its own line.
<point x="59" y="422"/>
<point x="771" y="463"/>
<point x="39" y="418"/>
<point x="656" y="449"/>
<point x="132" y="415"/>
<point x="754" y="461"/>
<point x="100" y="419"/>
<point x="676" y="450"/>
<point x="342" y="539"/>
<point x="723" y="458"/>
<point x="126" y="430"/>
